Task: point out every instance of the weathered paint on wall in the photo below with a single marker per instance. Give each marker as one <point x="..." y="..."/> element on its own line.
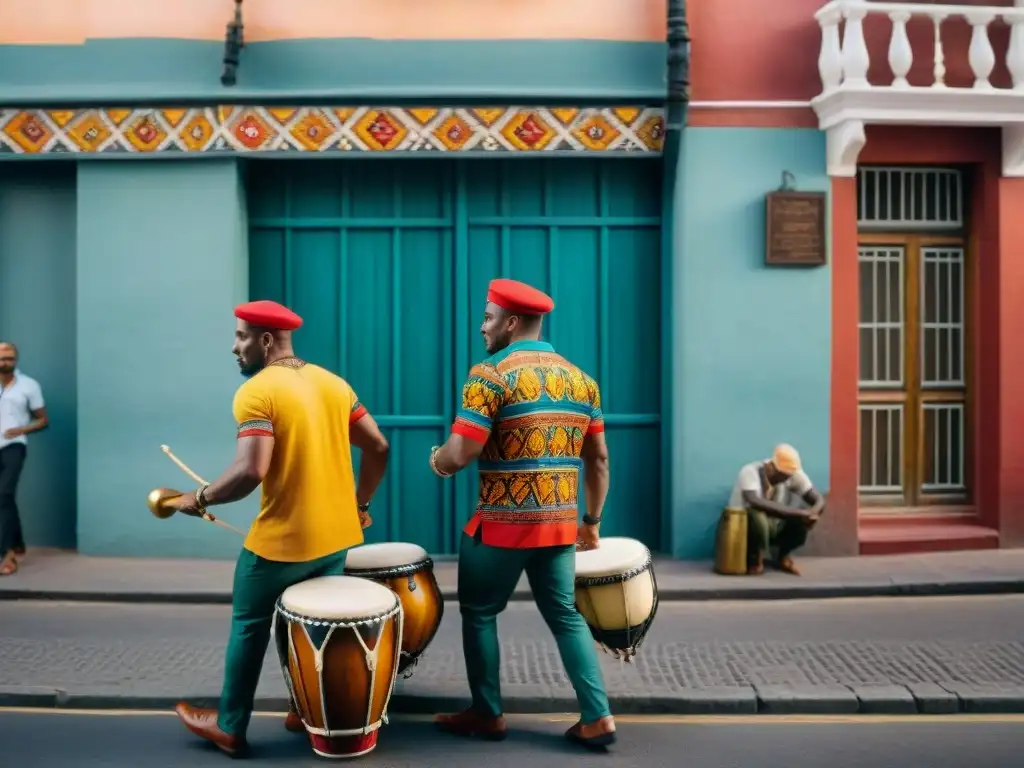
<point x="37" y="312"/>
<point x="752" y="343"/>
<point x="296" y="72"/>
<point x="123" y="52"/>
<point x="776" y="59"/>
<point x="162" y="259"/>
<point x="75" y="21"/>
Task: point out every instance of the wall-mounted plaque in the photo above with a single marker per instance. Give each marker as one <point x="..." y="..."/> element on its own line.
<point x="796" y="229"/>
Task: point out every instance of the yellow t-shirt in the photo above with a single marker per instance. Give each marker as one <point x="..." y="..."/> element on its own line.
<point x="308" y="507"/>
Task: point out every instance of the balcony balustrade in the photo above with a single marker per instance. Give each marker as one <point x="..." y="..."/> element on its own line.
<point x="921" y="64"/>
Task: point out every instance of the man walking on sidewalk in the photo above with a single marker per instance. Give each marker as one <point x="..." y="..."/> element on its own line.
<point x="296" y="425"/>
<point x="22" y="411"/>
<point x="530" y="416"/>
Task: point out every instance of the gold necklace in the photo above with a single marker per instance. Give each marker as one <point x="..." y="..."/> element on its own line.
<point x="289" y="362"/>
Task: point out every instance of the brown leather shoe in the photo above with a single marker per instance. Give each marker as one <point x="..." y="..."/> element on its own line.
<point x="596" y="735"/>
<point x="293" y="723"/>
<point x="471" y="723"/>
<point x="203" y="722"/>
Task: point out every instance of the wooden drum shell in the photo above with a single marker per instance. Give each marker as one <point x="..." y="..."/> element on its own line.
<point x="343" y="703"/>
<point x="731" y="542"/>
<point x="422" y="604"/>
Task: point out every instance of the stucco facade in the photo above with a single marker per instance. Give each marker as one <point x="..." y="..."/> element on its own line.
<point x="394" y="157"/>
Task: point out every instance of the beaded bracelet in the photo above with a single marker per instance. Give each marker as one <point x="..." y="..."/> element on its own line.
<point x="433" y="463"/>
<point x="200" y="502"/>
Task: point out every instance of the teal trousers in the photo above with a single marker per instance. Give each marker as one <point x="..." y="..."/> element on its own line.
<point x="257" y="585"/>
<point x="487" y="578"/>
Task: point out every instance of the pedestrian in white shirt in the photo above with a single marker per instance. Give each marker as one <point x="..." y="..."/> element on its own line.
<point x="22" y="411"/>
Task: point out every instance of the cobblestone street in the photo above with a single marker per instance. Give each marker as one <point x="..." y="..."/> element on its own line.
<point x="929" y="654"/>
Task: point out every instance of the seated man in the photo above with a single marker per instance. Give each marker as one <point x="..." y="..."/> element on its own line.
<point x="766" y="489"/>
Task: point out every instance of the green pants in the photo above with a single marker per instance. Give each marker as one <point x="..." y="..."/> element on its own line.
<point x="257" y="585"/>
<point x="765" y="532"/>
<point x="487" y="578"/>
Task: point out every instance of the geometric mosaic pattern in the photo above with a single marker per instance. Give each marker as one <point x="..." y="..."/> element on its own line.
<point x="251" y="129"/>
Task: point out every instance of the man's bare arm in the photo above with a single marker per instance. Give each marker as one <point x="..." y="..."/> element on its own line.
<point x="40" y="421"/>
<point x="251" y="464"/>
<point x="771" y="508"/>
<point x="596" y="472"/>
<point x="457" y="453"/>
<point x="815" y="501"/>
<point x="365" y="435"/>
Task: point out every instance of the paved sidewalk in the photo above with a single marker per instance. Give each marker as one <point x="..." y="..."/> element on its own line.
<point x="60" y="575"/>
<point x="931" y="655"/>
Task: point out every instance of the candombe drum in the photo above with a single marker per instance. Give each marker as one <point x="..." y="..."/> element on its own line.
<point x="338" y="639"/>
<point x="617" y="594"/>
<point x="407" y="570"/>
<point x="731" y="542"/>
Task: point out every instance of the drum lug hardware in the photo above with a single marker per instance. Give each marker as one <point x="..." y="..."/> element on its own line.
<point x="412" y="583"/>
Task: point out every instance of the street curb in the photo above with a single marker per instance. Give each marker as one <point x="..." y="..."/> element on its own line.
<point x="795" y="592"/>
<point x="926" y="699"/>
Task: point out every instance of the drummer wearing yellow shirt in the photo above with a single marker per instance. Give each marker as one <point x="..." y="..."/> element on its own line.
<point x="297" y="424"/>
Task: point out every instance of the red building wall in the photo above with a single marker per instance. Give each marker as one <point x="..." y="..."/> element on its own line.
<point x="776" y="59"/>
<point x="762" y="75"/>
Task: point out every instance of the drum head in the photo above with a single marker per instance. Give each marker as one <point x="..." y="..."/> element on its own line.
<point x="340" y="598"/>
<point x="388" y="554"/>
<point x="614" y="556"/>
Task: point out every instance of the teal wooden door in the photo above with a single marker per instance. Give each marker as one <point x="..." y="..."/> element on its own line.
<point x="388" y="262"/>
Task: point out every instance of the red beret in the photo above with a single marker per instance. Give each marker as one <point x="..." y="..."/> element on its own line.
<point x="519" y="298"/>
<point x="268" y="314"/>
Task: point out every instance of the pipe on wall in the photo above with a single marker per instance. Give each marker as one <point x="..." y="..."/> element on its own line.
<point x="678" y="96"/>
<point x="678" y="65"/>
<point x="234" y="42"/>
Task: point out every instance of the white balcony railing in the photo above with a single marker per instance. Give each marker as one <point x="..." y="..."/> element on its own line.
<point x="848" y="58"/>
<point x="846" y="63"/>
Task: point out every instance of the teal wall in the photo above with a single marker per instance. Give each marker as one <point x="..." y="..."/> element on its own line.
<point x="162" y="259"/>
<point x="133" y="71"/>
<point x="37" y="312"/>
<point x="752" y="346"/>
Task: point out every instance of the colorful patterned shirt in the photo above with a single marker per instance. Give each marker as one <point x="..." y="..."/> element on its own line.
<point x="531" y="409"/>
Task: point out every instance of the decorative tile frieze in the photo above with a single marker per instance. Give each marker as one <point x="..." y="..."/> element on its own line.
<point x="254" y="129"/>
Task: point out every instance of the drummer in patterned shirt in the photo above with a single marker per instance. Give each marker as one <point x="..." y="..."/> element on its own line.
<point x="532" y="419"/>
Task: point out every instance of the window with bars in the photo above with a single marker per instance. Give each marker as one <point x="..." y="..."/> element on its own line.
<point x="913" y="343"/>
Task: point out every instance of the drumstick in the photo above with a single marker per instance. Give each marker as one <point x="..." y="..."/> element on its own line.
<point x="181" y="464"/>
<point x="206" y="515"/>
<point x="222" y="524"/>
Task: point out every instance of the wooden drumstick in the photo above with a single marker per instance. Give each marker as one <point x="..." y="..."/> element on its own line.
<point x="206" y="515"/>
<point x="182" y="465"/>
<point x="222" y="524"/>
